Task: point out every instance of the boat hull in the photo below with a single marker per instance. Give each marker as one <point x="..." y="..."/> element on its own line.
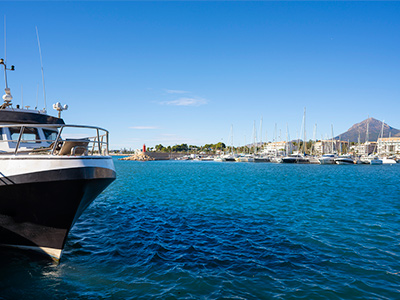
<point x="295" y="160"/>
<point x="230" y="159"/>
<point x="288" y="160"/>
<point x="329" y="161"/>
<point x="38" y="209"/>
<point x="344" y="162"/>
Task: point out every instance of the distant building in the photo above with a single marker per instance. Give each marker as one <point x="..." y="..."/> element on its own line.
<point x="364" y="149"/>
<point x="330" y="146"/>
<point x="277" y="148"/>
<point x="326" y="146"/>
<point x="389" y="146"/>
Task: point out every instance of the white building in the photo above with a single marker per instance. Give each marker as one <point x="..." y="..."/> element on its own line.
<point x="388" y="146"/>
<point x="326" y="146"/>
<point x="277" y="148"/>
<point x="364" y="149"/>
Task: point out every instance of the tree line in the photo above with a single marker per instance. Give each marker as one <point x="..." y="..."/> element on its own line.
<point x="189" y="148"/>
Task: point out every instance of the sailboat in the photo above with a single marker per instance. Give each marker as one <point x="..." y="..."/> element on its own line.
<point x="299" y="158"/>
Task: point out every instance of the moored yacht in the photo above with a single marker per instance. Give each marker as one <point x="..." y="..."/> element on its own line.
<point x="388" y="160"/>
<point x="47" y="180"/>
<point x="295" y="158"/>
<point x="371" y="159"/>
<point x="261" y="159"/>
<point x="245" y="158"/>
<point x="229" y="157"/>
<point x="374" y="160"/>
<point x="345" y="159"/>
<point x="327" y="159"/>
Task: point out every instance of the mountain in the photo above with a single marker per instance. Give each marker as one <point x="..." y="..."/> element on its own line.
<point x="375" y="127"/>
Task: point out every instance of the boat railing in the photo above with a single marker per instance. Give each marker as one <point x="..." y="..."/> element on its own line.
<point x="94" y="144"/>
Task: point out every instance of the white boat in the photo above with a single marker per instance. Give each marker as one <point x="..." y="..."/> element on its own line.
<point x="365" y="160"/>
<point x="386" y="160"/>
<point x="46" y="179"/>
<point x="261" y="159"/>
<point x="344" y="160"/>
<point x="358" y="161"/>
<point x="245" y="158"/>
<point x="327" y="159"/>
<point x="276" y="159"/>
<point x="219" y="159"/>
<point x="207" y="158"/>
<point x="229" y="157"/>
<point x="313" y="160"/>
<point x="371" y="159"/>
<point x="295" y="158"/>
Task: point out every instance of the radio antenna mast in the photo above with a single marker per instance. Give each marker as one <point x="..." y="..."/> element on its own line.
<point x="41" y="64"/>
<point x="5" y="43"/>
<point x="37" y="96"/>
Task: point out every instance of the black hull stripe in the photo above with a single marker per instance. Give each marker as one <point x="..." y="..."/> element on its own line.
<point x="41" y="212"/>
<point x="59" y="175"/>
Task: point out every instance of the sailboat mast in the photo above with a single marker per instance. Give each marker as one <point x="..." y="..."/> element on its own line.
<point x="254" y="137"/>
<point x="304" y="121"/>
<point x="381" y="134"/>
<point x="231" y="138"/>
<point x="287" y="143"/>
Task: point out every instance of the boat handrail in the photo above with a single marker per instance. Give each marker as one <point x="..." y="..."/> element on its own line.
<point x="96" y="145"/>
<point x="53" y="125"/>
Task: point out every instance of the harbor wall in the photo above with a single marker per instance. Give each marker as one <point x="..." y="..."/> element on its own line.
<point x="164" y="156"/>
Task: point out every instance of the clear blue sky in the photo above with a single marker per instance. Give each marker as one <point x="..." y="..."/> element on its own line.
<point x="184" y="72"/>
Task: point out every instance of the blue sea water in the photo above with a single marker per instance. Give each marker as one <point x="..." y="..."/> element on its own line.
<point x="206" y="230"/>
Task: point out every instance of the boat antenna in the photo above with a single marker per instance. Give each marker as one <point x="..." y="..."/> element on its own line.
<point x="37" y="96"/>
<point x="5" y="39"/>
<point x="7" y="97"/>
<point x="58" y="107"/>
<point x="41" y="64"/>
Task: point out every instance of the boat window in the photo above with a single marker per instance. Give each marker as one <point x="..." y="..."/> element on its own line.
<point x="1" y="134"/>
<point x="50" y="135"/>
<point x="30" y="134"/>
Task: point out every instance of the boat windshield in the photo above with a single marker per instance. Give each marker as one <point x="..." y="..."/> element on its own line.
<point x="50" y="134"/>
<point x="30" y="134"/>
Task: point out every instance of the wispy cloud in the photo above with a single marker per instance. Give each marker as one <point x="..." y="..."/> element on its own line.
<point x="144" y="127"/>
<point x="186" y="101"/>
<point x="176" y="92"/>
